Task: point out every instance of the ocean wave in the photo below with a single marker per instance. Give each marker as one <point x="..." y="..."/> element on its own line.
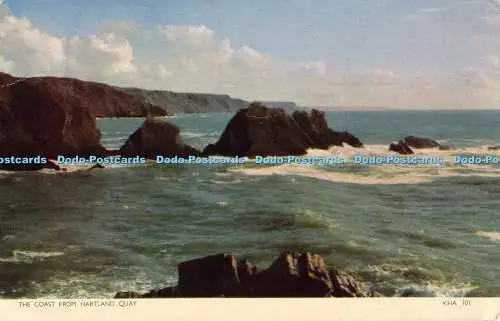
<point x="76" y="285"/>
<point x="379" y="174"/>
<point x="187" y="134"/>
<point x="114" y="139"/>
<point x="494" y="236"/>
<point x="312" y="219"/>
<point x="28" y="256"/>
<point x="338" y="177"/>
<point x="437" y="290"/>
<point x="396" y="280"/>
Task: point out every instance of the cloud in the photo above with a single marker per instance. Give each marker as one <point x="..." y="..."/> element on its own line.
<point x="492" y="20"/>
<point x="25" y="45"/>
<point x="194" y="58"/>
<point x="492" y="61"/>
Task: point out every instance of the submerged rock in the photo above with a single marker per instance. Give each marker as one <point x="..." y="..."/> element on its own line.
<point x="260" y="130"/>
<point x="156" y="138"/>
<point x="401" y="147"/>
<point x="420" y="142"/>
<point x="96" y="166"/>
<point x="290" y="275"/>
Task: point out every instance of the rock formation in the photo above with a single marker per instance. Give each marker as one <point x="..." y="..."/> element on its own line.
<point x="45" y="117"/>
<point x="178" y="103"/>
<point x="100" y="99"/>
<point x="420" y="142"/>
<point x="401" y="147"/>
<point x="260" y="130"/>
<point x="156" y="138"/>
<point x="290" y="275"/>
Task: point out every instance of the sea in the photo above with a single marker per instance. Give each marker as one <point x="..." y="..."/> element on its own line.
<point x="402" y="229"/>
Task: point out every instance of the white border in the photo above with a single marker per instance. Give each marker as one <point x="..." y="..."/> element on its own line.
<point x="220" y="309"/>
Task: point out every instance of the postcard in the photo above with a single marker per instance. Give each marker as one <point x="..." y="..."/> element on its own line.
<point x="274" y="160"/>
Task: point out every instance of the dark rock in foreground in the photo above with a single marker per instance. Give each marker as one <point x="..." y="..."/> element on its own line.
<point x="420" y="142"/>
<point x="290" y="275"/>
<point x="494" y="147"/>
<point x="156" y="138"/>
<point x="260" y="130"/>
<point x="44" y="117"/>
<point x="401" y="147"/>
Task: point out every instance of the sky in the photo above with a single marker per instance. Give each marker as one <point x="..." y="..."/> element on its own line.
<point x="356" y="53"/>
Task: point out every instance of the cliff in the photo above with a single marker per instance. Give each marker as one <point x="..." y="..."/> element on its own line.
<point x="102" y="100"/>
<point x="113" y="101"/>
<point x="179" y="103"/>
<point x="49" y="117"/>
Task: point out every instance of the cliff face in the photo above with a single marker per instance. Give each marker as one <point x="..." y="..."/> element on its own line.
<point x="101" y="99"/>
<point x="112" y="101"/>
<point x="46" y="117"/>
<point x="178" y="103"/>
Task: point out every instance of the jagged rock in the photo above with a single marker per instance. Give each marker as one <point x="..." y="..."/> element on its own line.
<point x="128" y="295"/>
<point x="262" y="131"/>
<point x="209" y="276"/>
<point x="292" y="274"/>
<point x="420" y="142"/>
<point x="44" y="117"/>
<point x="156" y="138"/>
<point x="341" y="138"/>
<point x="100" y="99"/>
<point x="96" y="166"/>
<point x="168" y="292"/>
<point x="401" y="148"/>
<point x="345" y="285"/>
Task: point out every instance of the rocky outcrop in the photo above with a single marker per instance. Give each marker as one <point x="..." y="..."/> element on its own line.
<point x="314" y="124"/>
<point x="494" y="147"/>
<point x="420" y="142"/>
<point x="290" y="275"/>
<point x="100" y="99"/>
<point x="341" y="138"/>
<point x="156" y="138"/>
<point x="178" y="103"/>
<point x="401" y="147"/>
<point x="264" y="131"/>
<point x="45" y="117"/>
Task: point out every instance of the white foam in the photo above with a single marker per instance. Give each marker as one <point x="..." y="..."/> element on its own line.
<point x="494" y="236"/>
<point x="29" y="256"/>
<point x="192" y="134"/>
<point x="222" y="203"/>
<point x="446" y="290"/>
<point x="382" y="174"/>
<point x="312" y="172"/>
